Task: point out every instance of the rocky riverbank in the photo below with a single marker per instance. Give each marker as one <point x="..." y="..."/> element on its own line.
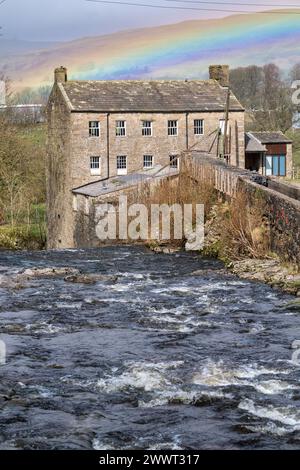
<point x="268" y="271"/>
<point x="244" y="249"/>
<point x="271" y="272"/>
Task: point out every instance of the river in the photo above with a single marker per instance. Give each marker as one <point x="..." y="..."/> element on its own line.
<point x="172" y="354"/>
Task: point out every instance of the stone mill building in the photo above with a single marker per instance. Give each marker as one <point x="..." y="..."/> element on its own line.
<point x="99" y="130"/>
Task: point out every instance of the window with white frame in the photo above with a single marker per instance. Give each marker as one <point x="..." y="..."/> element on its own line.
<point x="95" y="165"/>
<point x="147" y="128"/>
<point x="174" y="163"/>
<point x="148" y="161"/>
<point x="172" y="127"/>
<point x="94" y="129"/>
<point x="222" y="127"/>
<point x="121" y="165"/>
<point x="120" y="128"/>
<point x="198" y="126"/>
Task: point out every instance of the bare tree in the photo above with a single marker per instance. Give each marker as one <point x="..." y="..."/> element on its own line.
<point x="265" y="95"/>
<point x="295" y="73"/>
<point x="22" y="172"/>
<point x="247" y="85"/>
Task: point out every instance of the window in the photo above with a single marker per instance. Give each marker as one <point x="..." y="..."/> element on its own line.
<point x="120" y="128"/>
<point x="95" y="166"/>
<point x="276" y="165"/>
<point x="222" y="127"/>
<point x="121" y="165"/>
<point x="146" y="128"/>
<point x="75" y="203"/>
<point x="172" y="128"/>
<point x="148" y="161"/>
<point x="198" y="127"/>
<point x="94" y="129"/>
<point x="174" y="161"/>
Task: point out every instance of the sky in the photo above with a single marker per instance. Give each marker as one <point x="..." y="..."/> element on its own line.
<point x="62" y="20"/>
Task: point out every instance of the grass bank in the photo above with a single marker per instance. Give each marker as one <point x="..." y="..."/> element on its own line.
<point x="28" y="235"/>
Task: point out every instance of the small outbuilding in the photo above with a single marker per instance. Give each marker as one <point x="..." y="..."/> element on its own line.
<point x="269" y="153"/>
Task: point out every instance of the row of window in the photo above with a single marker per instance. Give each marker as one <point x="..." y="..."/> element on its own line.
<point x="147" y="128"/>
<point x="148" y="162"/>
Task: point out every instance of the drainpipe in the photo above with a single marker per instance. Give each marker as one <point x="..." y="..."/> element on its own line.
<point x="187" y="130"/>
<point x="107" y="143"/>
<point x="225" y="142"/>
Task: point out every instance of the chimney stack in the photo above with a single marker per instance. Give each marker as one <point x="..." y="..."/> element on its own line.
<point x="60" y="75"/>
<point x="2" y="93"/>
<point x="220" y="73"/>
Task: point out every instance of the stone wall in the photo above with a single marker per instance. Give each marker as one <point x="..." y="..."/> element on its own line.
<point x="289" y="190"/>
<point x="108" y="146"/>
<point x="284" y="220"/>
<point x="85" y="210"/>
<point x="58" y="173"/>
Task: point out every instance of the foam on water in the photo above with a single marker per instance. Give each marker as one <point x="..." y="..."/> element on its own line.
<point x="45" y="327"/>
<point x="273" y="387"/>
<point x="182" y="325"/>
<point x="140" y="375"/>
<point x="181" y="397"/>
<point x="130" y="275"/>
<point x="174" y="444"/>
<point x="271" y="429"/>
<point x="182" y="319"/>
<point x="257" y="328"/>
<point x="287" y="415"/>
<point x="71" y="306"/>
<point x="217" y="374"/>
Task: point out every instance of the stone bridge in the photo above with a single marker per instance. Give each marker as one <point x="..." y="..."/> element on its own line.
<point x="282" y="201"/>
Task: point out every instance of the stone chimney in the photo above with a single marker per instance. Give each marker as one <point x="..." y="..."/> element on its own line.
<point x="61" y="75"/>
<point x="2" y="93"/>
<point x="220" y="73"/>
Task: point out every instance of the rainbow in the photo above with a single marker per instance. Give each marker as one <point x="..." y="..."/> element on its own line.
<point x="182" y="50"/>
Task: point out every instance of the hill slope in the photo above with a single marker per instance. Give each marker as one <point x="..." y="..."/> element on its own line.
<point x="172" y="51"/>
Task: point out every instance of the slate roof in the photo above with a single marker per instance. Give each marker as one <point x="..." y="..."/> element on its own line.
<point x="252" y="144"/>
<point x="271" y="137"/>
<point x="118" y="183"/>
<point x="147" y="96"/>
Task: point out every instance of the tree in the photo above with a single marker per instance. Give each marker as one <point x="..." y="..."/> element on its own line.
<point x="294" y="73"/>
<point x="265" y="95"/>
<point x="272" y="86"/>
<point x="22" y="173"/>
<point x="32" y="95"/>
<point x="247" y="84"/>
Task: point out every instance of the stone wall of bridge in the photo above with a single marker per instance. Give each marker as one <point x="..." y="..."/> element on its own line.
<point x="283" y="212"/>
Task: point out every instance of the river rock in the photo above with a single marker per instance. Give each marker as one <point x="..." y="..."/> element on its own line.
<point x="269" y="271"/>
<point x="48" y="272"/>
<point x="19" y="279"/>
<point x="167" y="250"/>
<point x="90" y="278"/>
